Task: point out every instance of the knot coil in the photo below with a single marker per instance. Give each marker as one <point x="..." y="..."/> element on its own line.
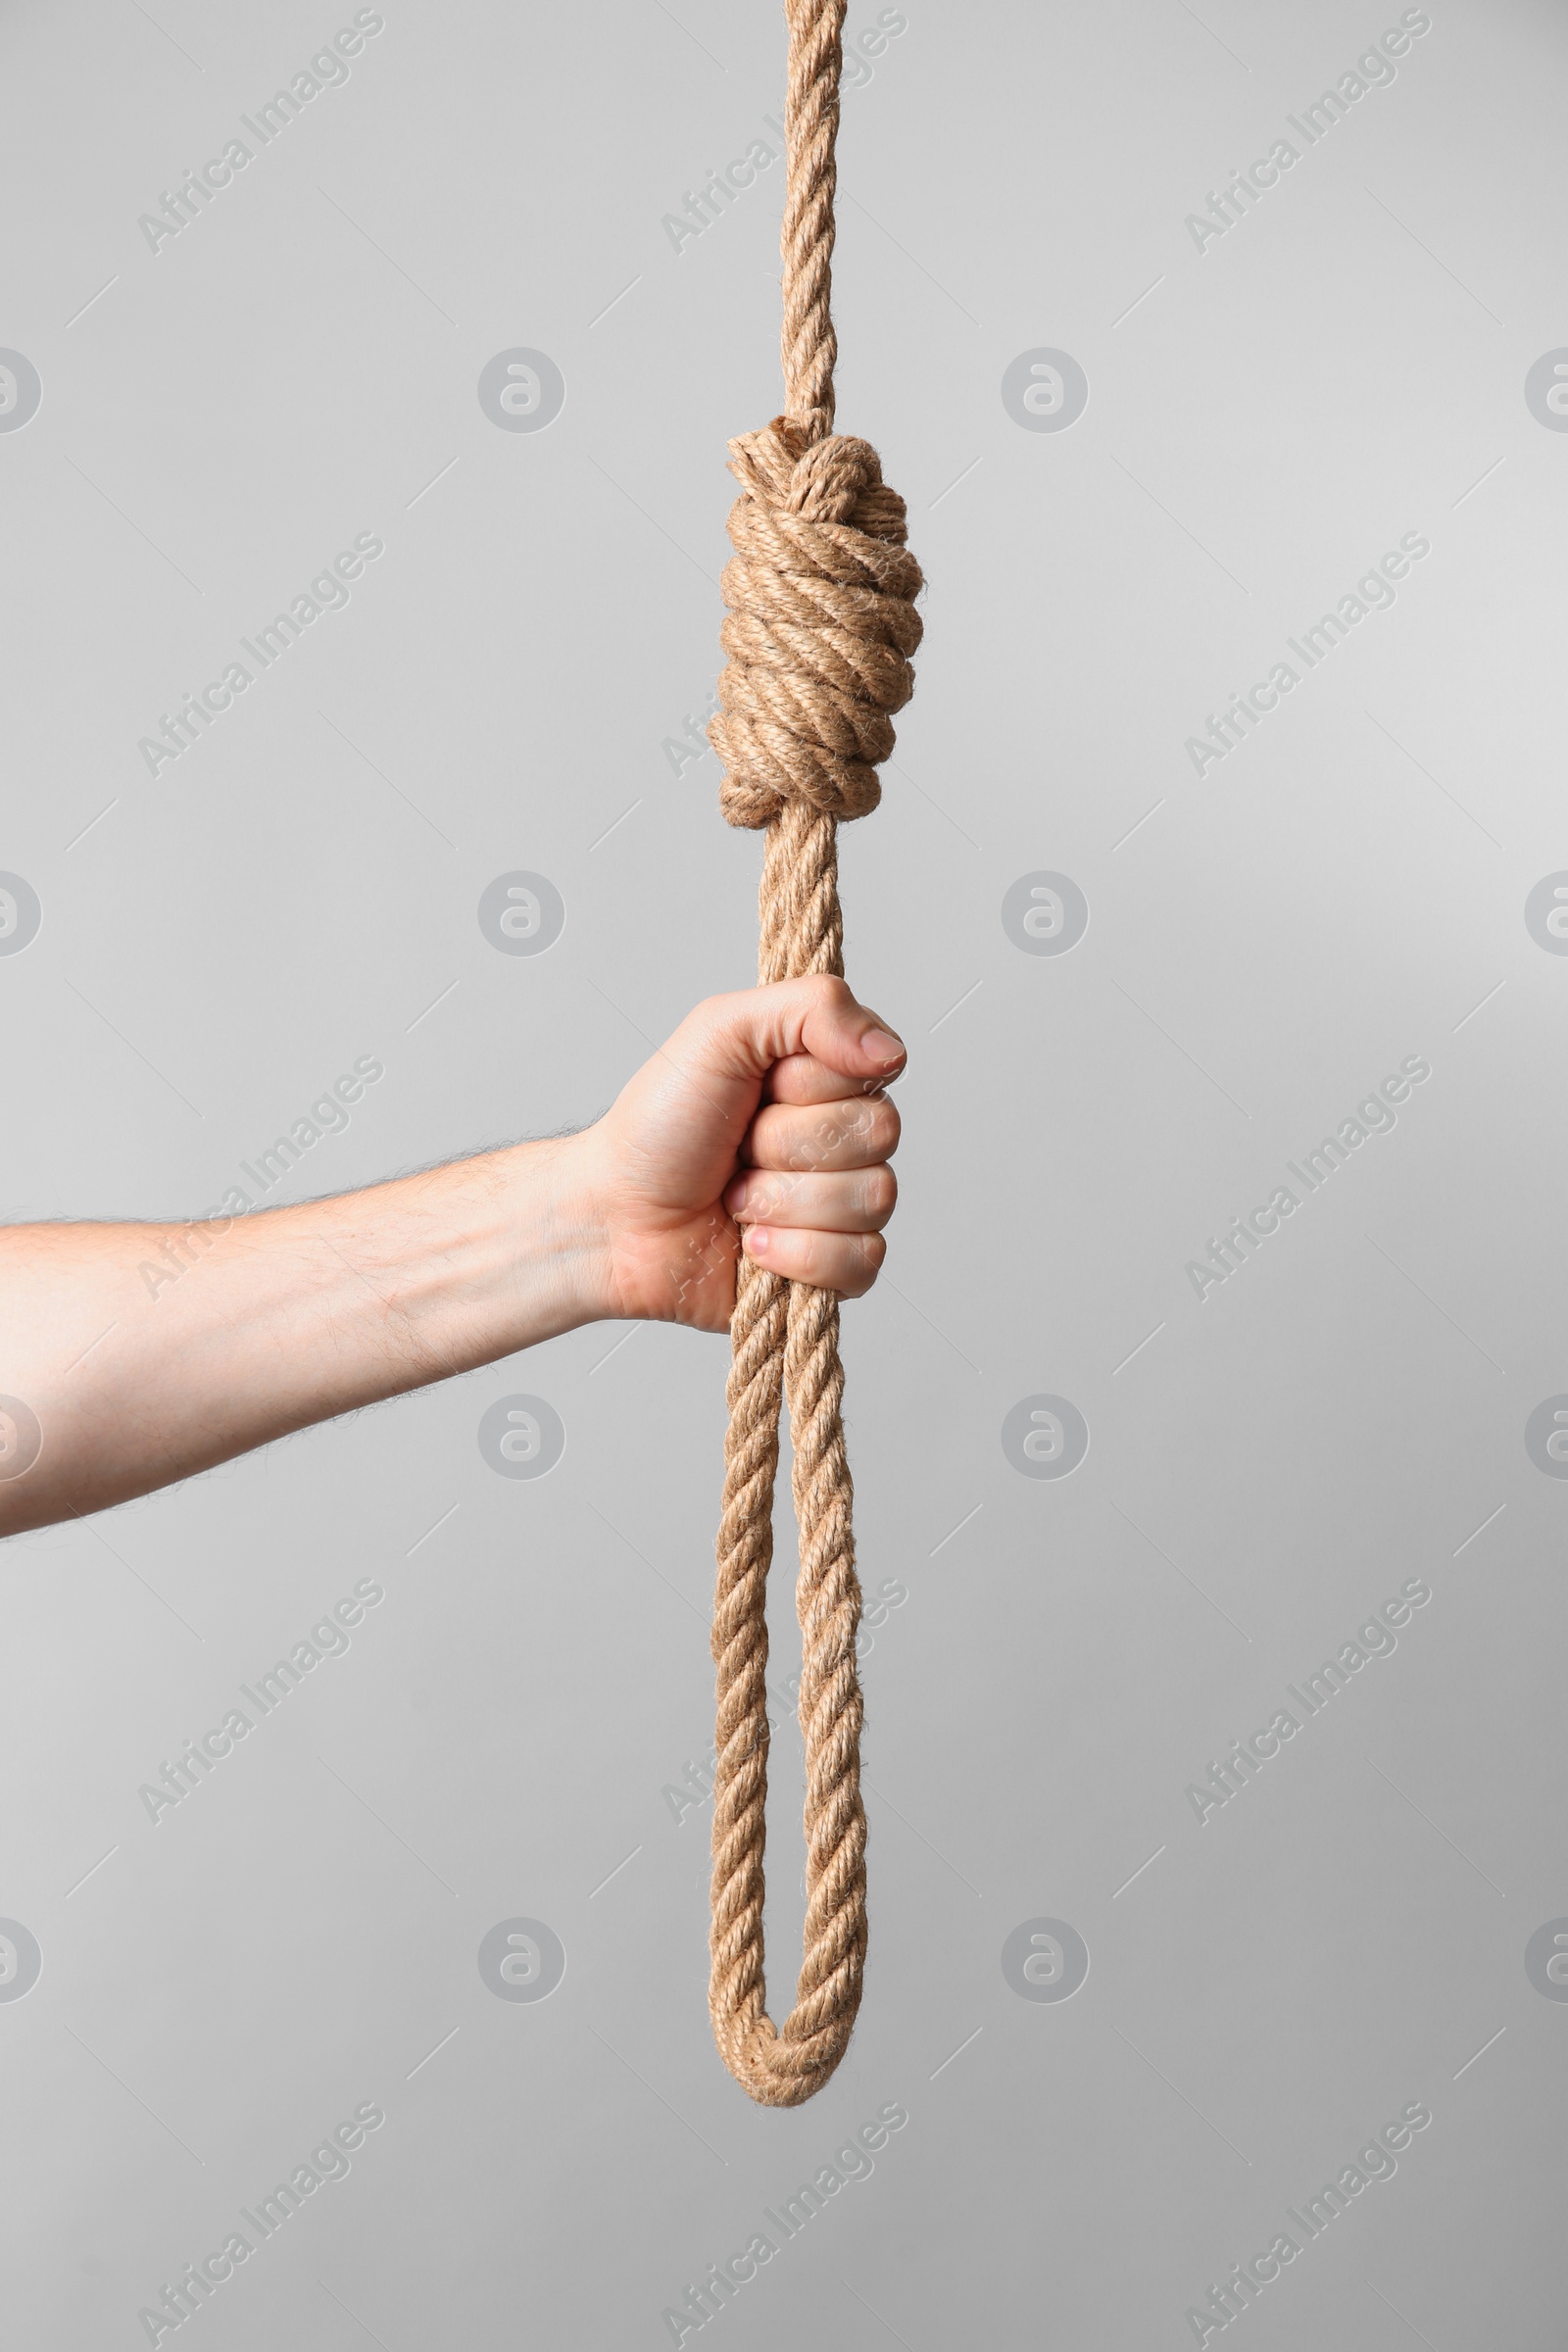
<point x="821" y="624"/>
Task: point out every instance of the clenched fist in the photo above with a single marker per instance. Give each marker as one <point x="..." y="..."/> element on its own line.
<point x="761" y="1125"/>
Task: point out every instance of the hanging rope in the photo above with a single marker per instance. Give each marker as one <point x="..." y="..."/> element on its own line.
<point x="821" y="623"/>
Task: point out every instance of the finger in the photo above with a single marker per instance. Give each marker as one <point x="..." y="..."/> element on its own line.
<point x="738" y="1039"/>
<point x="824" y="1136"/>
<point x="845" y="1262"/>
<point x="859" y="1202"/>
<point x="802" y="1078"/>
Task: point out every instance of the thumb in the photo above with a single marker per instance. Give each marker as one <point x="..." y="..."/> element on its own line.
<point x="740" y="1037"/>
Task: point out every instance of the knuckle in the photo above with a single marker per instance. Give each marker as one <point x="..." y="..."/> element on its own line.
<point x="860" y="1258"/>
<point x="881" y="1190"/>
<point x="822" y="989"/>
<point x="769" y="1142"/>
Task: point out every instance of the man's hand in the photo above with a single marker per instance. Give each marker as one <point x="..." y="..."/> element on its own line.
<point x="762" y="1124"/>
<point x="140" y="1354"/>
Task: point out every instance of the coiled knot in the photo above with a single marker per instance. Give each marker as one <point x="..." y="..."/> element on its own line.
<point x="821" y="624"/>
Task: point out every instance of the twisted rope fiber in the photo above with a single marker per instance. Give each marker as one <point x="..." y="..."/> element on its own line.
<point x="820" y="628"/>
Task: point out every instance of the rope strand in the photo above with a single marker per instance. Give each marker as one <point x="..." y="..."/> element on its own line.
<point x="820" y="628"/>
<point x="810" y="348"/>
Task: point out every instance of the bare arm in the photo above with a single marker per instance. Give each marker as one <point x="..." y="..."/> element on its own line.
<point x="132" y="1354"/>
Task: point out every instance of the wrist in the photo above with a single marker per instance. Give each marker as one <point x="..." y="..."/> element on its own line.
<point x="475" y="1261"/>
<point x="559" y="1232"/>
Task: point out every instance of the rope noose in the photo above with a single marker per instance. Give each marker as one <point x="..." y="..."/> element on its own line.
<point x="821" y="623"/>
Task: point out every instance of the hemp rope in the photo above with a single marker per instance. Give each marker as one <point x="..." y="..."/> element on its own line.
<point x="821" y="623"/>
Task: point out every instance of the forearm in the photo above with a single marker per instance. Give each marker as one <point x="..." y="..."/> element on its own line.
<point x="149" y="1352"/>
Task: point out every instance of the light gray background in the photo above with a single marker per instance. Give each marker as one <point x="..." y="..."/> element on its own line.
<point x="1265" y="419"/>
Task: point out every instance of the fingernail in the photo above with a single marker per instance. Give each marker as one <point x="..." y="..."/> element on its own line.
<point x="756" y="1239"/>
<point x="882" y="1047"/>
<point x="735" y="1193"/>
